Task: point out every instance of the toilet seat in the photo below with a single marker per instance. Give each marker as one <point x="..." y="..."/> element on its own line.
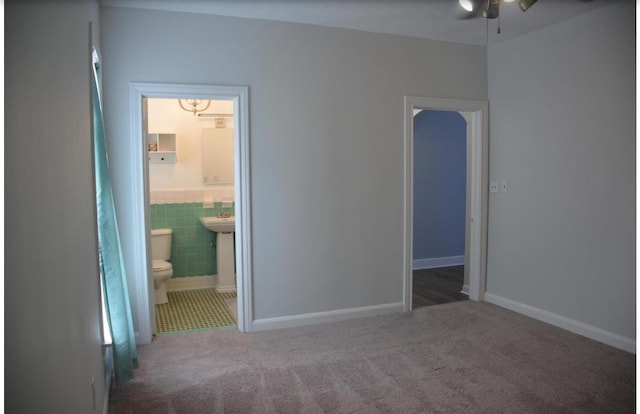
<point x="159" y="265"/>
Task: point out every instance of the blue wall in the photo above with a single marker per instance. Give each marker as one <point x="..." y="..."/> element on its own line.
<point x="439" y="184"/>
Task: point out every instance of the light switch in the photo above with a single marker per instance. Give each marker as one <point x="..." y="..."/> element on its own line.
<point x="493" y="187"/>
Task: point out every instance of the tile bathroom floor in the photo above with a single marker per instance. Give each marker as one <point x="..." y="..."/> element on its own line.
<point x="196" y="310"/>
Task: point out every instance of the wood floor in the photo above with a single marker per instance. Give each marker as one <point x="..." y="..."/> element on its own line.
<point x="438" y="286"/>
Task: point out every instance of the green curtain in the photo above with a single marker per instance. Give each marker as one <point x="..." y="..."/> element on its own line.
<point x="116" y="294"/>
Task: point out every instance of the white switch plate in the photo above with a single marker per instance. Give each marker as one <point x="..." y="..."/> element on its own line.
<point x="504" y="186"/>
<point x="493" y="187"/>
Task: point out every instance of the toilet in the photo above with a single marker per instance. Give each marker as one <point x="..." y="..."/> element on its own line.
<point x="162" y="268"/>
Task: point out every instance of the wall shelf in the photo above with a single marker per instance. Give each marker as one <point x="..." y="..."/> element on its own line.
<point x="162" y="148"/>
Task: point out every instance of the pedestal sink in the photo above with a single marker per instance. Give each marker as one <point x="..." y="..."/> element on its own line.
<point x="223" y="227"/>
<point x="219" y="224"/>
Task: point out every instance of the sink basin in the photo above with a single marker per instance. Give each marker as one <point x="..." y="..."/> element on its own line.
<point x="219" y="224"/>
<point x="223" y="229"/>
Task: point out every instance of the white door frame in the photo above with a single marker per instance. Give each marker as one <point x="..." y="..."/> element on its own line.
<point x="477" y="115"/>
<point x="143" y="284"/>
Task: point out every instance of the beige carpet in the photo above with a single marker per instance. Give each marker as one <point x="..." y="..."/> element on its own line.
<point x="463" y="357"/>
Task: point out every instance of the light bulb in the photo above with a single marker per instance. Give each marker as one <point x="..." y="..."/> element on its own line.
<point x="466" y="4"/>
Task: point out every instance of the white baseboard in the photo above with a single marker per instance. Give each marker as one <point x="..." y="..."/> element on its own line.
<point x="434" y="262"/>
<point x="192" y="282"/>
<point x="324" y="317"/>
<point x="465" y="290"/>
<point x="572" y="325"/>
<point x="226" y="289"/>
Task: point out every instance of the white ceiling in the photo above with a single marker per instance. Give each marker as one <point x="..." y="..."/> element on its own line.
<point x="430" y="19"/>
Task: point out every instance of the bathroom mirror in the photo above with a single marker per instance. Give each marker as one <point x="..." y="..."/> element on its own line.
<point x="217" y="155"/>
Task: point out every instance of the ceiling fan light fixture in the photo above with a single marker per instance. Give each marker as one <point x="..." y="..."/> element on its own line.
<point x="525" y="4"/>
<point x="466" y="4"/>
<point x="491" y="9"/>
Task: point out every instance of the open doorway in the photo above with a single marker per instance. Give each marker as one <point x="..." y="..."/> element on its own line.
<point x="439" y="206"/>
<point x="476" y="115"/>
<point x="143" y="286"/>
<point x="190" y="170"/>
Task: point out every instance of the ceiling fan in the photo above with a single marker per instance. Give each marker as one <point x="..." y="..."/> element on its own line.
<point x="489" y="9"/>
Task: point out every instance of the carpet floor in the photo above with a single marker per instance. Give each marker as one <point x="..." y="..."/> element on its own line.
<point x="463" y="357"/>
<point x="194" y="310"/>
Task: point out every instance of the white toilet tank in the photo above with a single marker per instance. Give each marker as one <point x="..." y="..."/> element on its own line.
<point x="161" y="244"/>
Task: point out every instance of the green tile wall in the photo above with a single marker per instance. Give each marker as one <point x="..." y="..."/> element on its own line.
<point x="191" y="251"/>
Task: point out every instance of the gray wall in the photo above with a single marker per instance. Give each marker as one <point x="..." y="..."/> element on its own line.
<point x="439" y="182"/>
<point x="52" y="309"/>
<point x="326" y="139"/>
<point x="563" y="135"/>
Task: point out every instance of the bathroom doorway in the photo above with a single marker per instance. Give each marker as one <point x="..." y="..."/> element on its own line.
<point x="439" y="205"/>
<point x="172" y="171"/>
<point x="476" y="115"/>
<point x="190" y="169"/>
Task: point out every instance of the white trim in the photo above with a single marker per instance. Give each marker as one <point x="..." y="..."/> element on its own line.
<point x="465" y="290"/>
<point x="108" y="359"/>
<point x="107" y="392"/>
<point x="143" y="288"/>
<point x="435" y="262"/>
<point x="226" y="289"/>
<point x="477" y="112"/>
<point x="175" y="284"/>
<point x="572" y="325"/>
<point x="141" y="258"/>
<point x="242" y="174"/>
<point x="324" y="317"/>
